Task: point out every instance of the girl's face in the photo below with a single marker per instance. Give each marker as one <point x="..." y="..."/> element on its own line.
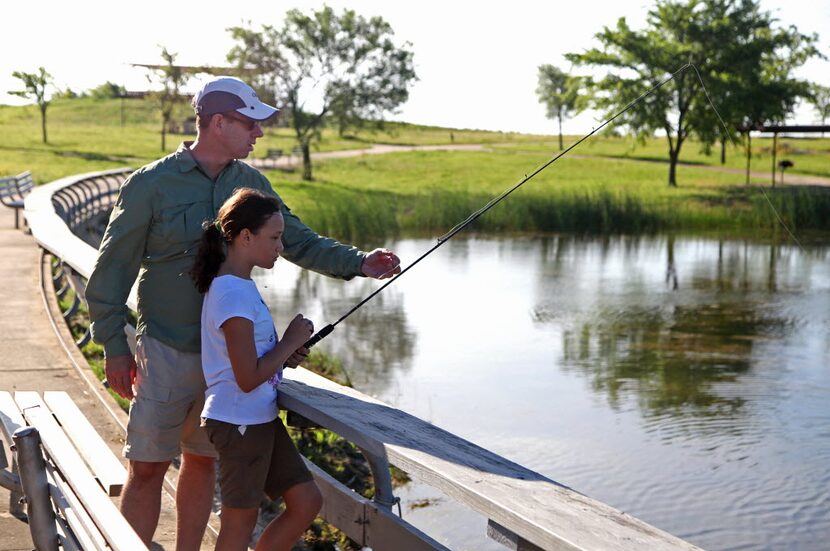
<point x="265" y="246"/>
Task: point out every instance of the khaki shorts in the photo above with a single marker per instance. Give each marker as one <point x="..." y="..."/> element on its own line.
<point x="263" y="459"/>
<point x="164" y="416"/>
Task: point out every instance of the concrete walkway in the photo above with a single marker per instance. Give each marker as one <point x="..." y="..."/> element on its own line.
<point x="32" y="357"/>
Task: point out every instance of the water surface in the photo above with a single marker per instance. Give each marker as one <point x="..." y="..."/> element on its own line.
<point x="682" y="380"/>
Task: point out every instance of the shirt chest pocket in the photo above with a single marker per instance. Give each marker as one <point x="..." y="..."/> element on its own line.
<point x="180" y="223"/>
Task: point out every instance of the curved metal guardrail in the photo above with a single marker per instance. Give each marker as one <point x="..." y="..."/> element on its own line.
<point x="525" y="510"/>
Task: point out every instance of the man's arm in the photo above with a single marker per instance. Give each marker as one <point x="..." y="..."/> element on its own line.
<point x="119" y="258"/>
<point x="320" y="254"/>
<point x="327" y="256"/>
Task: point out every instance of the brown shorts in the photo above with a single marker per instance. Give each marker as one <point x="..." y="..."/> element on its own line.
<point x="164" y="416"/>
<point x="263" y="459"/>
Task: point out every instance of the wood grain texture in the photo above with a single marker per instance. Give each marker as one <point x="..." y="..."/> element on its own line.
<point x="109" y="471"/>
<point x="535" y="508"/>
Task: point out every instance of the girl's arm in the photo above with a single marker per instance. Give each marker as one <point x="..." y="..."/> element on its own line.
<point x="250" y="371"/>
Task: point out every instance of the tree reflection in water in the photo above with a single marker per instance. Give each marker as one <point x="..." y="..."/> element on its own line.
<point x="372" y="344"/>
<point x="670" y="348"/>
<point x="669" y="359"/>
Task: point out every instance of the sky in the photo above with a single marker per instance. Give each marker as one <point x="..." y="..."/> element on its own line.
<point x="477" y="62"/>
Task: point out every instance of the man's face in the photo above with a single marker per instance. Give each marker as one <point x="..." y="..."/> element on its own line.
<point x="240" y="133"/>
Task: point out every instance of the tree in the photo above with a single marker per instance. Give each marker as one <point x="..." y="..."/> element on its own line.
<point x="327" y="66"/>
<point x="714" y="36"/>
<point x="820" y="98"/>
<point x="172" y="78"/>
<point x="108" y="90"/>
<point x="750" y="76"/>
<point x="559" y="93"/>
<point x="35" y="87"/>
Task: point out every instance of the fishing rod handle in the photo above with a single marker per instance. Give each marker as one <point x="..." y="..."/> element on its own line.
<point x="321" y="334"/>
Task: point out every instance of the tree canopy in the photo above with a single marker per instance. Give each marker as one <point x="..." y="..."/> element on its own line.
<point x="744" y="59"/>
<point x="559" y="92"/>
<point x="326" y="66"/>
<point x="820" y="99"/>
<point x="172" y="78"/>
<point x="35" y="85"/>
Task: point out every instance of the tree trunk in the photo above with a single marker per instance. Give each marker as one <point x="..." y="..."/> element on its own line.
<point x="723" y="151"/>
<point x="306" y="161"/>
<point x="43" y="122"/>
<point x="673" y="156"/>
<point x="163" y="133"/>
<point x="561" y="145"/>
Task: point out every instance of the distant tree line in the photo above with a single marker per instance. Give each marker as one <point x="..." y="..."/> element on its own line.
<point x="745" y="60"/>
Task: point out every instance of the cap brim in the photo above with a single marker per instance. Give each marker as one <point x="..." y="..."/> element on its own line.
<point x="258" y="111"/>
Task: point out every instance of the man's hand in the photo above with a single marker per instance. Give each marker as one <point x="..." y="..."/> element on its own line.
<point x="381" y="263"/>
<point x="120" y="372"/>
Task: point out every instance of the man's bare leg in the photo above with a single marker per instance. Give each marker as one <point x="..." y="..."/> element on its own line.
<point x="141" y="497"/>
<point x="194" y="498"/>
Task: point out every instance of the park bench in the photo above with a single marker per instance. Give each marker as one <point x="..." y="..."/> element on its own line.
<point x="272" y="156"/>
<point x="66" y="473"/>
<point x="13" y="190"/>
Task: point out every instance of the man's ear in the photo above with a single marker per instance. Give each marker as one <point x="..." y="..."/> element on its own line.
<point x="217" y="121"/>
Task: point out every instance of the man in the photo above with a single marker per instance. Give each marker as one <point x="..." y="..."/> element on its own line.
<point x="153" y="232"/>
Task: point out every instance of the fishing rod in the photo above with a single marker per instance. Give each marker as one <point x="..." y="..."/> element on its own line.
<point x="325" y="331"/>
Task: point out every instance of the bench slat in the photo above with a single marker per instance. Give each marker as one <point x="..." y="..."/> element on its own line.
<point x="10" y="420"/>
<point x="10" y="417"/>
<point x="79" y="521"/>
<point x="109" y="471"/>
<point x="118" y="533"/>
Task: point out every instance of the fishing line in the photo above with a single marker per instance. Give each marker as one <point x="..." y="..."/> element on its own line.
<point x="731" y="139"/>
<point x="325" y="331"/>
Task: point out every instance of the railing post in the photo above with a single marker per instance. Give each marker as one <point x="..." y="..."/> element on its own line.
<point x="379" y="465"/>
<point x="36" y="489"/>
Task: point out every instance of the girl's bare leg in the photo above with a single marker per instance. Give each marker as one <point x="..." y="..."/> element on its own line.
<point x="302" y="503"/>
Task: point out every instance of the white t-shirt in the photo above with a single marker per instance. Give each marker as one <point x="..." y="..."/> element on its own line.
<point x="230" y="297"/>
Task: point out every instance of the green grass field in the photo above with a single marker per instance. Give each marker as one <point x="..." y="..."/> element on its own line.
<point x="607" y="184"/>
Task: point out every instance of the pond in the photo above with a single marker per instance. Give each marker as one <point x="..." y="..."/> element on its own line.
<point x="682" y="380"/>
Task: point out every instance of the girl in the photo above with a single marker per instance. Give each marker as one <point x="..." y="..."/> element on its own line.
<point x="242" y="359"/>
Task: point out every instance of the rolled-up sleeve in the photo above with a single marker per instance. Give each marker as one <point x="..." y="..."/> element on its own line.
<point x="119" y="259"/>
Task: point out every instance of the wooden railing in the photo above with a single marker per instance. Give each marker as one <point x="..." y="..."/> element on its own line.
<point x="525" y="509"/>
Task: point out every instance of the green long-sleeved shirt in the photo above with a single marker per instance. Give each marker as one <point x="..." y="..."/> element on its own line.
<point x="154" y="231"/>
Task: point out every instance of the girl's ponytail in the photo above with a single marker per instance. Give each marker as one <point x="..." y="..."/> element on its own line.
<point x="210" y="256"/>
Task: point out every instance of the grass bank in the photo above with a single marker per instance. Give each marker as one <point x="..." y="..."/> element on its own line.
<point x="427" y="193"/>
<point x="607" y="184"/>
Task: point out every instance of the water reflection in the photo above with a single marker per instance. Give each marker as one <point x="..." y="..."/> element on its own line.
<point x="374" y="343"/>
<point x="669" y="359"/>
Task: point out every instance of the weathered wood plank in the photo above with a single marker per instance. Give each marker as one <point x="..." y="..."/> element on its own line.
<point x="106" y="467"/>
<point x="81" y="526"/>
<point x="534" y="507"/>
<point x="364" y="521"/>
<point x="10" y="417"/>
<point x="118" y="533"/>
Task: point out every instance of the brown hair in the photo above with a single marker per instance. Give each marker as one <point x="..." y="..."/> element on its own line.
<point x="246" y="209"/>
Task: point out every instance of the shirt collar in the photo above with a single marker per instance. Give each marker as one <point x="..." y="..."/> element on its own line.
<point x="184" y="158"/>
<point x="186" y="162"/>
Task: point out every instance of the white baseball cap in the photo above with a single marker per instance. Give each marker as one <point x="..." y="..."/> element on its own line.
<point x="224" y="94"/>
